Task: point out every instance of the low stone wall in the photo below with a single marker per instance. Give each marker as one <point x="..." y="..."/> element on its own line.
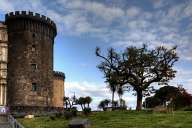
<point x="20" y="111"/>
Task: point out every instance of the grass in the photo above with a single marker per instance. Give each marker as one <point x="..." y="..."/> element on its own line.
<point x="119" y="119"/>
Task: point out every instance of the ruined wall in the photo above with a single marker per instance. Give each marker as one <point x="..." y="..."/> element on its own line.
<point x="30" y="66"/>
<point x="58" y="89"/>
<point x="3" y="63"/>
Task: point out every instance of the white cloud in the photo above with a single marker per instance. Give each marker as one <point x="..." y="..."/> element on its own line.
<point x="188" y="9"/>
<point x="97" y="91"/>
<point x="133" y="11"/>
<point x="87" y="89"/>
<point x="159" y="3"/>
<point x="6" y="6"/>
<point x="98" y="9"/>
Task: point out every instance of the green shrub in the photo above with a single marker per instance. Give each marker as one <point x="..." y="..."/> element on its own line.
<point x="68" y="115"/>
<point x="52" y="117"/>
<point x="74" y="111"/>
<point x="87" y="111"/>
<point x="58" y="115"/>
<point x="189" y="108"/>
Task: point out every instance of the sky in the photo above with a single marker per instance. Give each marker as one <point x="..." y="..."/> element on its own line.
<point x="83" y="25"/>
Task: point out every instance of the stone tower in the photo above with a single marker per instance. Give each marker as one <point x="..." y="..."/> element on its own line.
<point x="3" y="63"/>
<point x="58" y="89"/>
<point x="30" y="59"/>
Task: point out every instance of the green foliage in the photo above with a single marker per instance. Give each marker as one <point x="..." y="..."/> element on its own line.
<point x="138" y="67"/>
<point x="69" y="102"/>
<point x="123" y="104"/>
<point x="151" y="102"/>
<point x="52" y="117"/>
<point x="104" y="104"/>
<point x="83" y="101"/>
<point x="88" y="100"/>
<point x="87" y="111"/>
<point x="58" y="115"/>
<point x="68" y="115"/>
<point x="188" y="108"/>
<point x="166" y="93"/>
<point x="176" y="96"/>
<point x="74" y="111"/>
<point x="115" y="104"/>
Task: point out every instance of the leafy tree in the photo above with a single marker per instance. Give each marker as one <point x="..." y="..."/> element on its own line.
<point x="88" y="100"/>
<point x="167" y="93"/>
<point x="110" y="68"/>
<point x="69" y="102"/>
<point x="66" y="102"/>
<point x="139" y="67"/>
<point x="122" y="103"/>
<point x="83" y="101"/>
<point x="178" y="97"/>
<point x="182" y="99"/>
<point x="151" y="102"/>
<point x="104" y="104"/>
<point x="107" y="102"/>
<point x="115" y="104"/>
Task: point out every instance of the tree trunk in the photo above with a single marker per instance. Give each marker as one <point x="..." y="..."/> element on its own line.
<point x="139" y="100"/>
<point x="66" y="106"/>
<point x="82" y="107"/>
<point x="113" y="95"/>
<point x="120" y="103"/>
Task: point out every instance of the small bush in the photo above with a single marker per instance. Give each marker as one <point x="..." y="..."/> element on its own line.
<point x="68" y="115"/>
<point x="74" y="111"/>
<point x="58" y="115"/>
<point x="52" y="117"/>
<point x="189" y="108"/>
<point x="87" y="111"/>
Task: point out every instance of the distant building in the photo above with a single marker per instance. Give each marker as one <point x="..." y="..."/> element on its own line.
<point x="3" y="64"/>
<point x="30" y="82"/>
<point x="58" y="89"/>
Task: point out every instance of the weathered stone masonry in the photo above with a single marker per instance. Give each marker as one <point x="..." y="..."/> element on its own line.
<point x="30" y="61"/>
<point x="58" y="89"/>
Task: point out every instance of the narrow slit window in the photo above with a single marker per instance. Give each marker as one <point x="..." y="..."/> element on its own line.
<point x="34" y="87"/>
<point x="33" y="48"/>
<point x="34" y="67"/>
<point x="33" y="35"/>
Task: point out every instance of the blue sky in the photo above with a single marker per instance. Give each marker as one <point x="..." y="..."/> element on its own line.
<point x="84" y="24"/>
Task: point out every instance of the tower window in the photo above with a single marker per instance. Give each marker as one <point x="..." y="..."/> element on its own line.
<point x="34" y="67"/>
<point x="33" y="35"/>
<point x="33" y="48"/>
<point x="34" y="87"/>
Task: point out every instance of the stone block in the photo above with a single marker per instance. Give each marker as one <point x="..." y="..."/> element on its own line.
<point x="79" y="123"/>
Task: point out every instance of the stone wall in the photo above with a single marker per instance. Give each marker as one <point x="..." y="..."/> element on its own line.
<point x="30" y="67"/>
<point x="3" y="63"/>
<point x="58" y="89"/>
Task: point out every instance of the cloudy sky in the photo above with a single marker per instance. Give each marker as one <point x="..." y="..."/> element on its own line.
<point x="84" y="24"/>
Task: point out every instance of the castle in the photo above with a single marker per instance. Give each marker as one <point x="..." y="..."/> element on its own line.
<point x="27" y="79"/>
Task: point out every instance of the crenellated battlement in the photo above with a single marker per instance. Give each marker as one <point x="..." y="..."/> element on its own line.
<point x="31" y="15"/>
<point x="59" y="74"/>
<point x="31" y="21"/>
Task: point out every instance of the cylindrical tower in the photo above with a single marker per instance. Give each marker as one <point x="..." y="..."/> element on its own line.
<point x="30" y="59"/>
<point x="58" y="89"/>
